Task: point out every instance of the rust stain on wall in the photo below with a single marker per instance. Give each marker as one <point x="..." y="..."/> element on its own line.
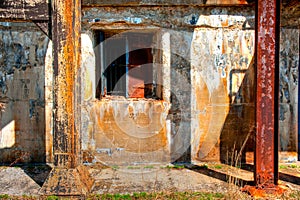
<point x="223" y="54"/>
<point x="136" y="126"/>
<point x="204" y="118"/>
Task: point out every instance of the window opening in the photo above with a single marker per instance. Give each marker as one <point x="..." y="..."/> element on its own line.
<point x="126" y="63"/>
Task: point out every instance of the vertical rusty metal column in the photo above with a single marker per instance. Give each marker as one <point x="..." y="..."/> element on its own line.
<point x="66" y="44"/>
<point x="68" y="177"/>
<point x="267" y="61"/>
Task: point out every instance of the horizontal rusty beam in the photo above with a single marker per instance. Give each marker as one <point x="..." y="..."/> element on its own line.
<point x="38" y="10"/>
<point x="26" y="10"/>
<point x="45" y="27"/>
<point x="267" y="61"/>
<point x="161" y="2"/>
<point x="174" y="3"/>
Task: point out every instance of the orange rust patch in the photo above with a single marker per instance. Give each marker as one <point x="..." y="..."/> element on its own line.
<point x="136" y="132"/>
<point x="263" y="191"/>
<point x="67" y="40"/>
<point x="142" y="119"/>
<point x="229" y="2"/>
<point x="202" y="96"/>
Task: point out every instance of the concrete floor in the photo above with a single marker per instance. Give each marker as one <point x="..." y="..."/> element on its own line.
<point x="215" y="178"/>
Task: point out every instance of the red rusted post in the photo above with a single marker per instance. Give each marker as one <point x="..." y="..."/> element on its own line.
<point x="267" y="61"/>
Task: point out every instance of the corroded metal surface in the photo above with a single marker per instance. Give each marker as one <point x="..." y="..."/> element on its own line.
<point x="66" y="41"/>
<point x="44" y="26"/>
<point x="162" y="2"/>
<point x="67" y="178"/>
<point x="267" y="38"/>
<point x="26" y="10"/>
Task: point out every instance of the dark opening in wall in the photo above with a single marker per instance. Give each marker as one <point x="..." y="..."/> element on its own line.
<point x="125" y="64"/>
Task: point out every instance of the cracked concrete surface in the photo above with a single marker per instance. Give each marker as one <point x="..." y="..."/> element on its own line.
<point x="208" y="177"/>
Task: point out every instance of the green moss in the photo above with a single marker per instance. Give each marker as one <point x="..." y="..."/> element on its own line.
<point x="162" y="195"/>
<point x="133" y="167"/>
<point x="294" y="195"/>
<point x="4" y="196"/>
<point x="218" y="166"/>
<point x="149" y="167"/>
<point x="115" y="167"/>
<point x="176" y="166"/>
<point x="52" y="197"/>
<point x="293" y="166"/>
<point x="283" y="167"/>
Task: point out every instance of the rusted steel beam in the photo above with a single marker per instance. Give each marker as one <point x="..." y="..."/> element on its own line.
<point x="226" y="2"/>
<point x="66" y="27"/>
<point x="68" y="177"/>
<point x="24" y="10"/>
<point x="161" y="2"/>
<point x="267" y="61"/>
<point x="45" y="27"/>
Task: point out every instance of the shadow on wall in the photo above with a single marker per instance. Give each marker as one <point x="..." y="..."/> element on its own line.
<point x="22" y="121"/>
<point x="238" y="134"/>
<point x="180" y="111"/>
<point x="23" y="137"/>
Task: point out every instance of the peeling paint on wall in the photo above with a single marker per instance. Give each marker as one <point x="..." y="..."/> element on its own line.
<point x="288" y="92"/>
<point x="22" y="64"/>
<point x="136" y="127"/>
<point x="220" y="58"/>
<point x="207" y="107"/>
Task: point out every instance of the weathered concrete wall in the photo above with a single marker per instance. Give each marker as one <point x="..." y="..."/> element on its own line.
<point x="288" y="94"/>
<point x="205" y="61"/>
<point x="129" y="131"/>
<point x="22" y="68"/>
<point x="117" y="130"/>
<point x="223" y="89"/>
<point x="208" y="52"/>
<point x="212" y="76"/>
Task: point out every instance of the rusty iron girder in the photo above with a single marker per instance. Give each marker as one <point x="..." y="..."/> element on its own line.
<point x="45" y="27"/>
<point x="267" y="61"/>
<point x="25" y="10"/>
<point x="68" y="177"/>
<point x="161" y="2"/>
<point x="66" y="28"/>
